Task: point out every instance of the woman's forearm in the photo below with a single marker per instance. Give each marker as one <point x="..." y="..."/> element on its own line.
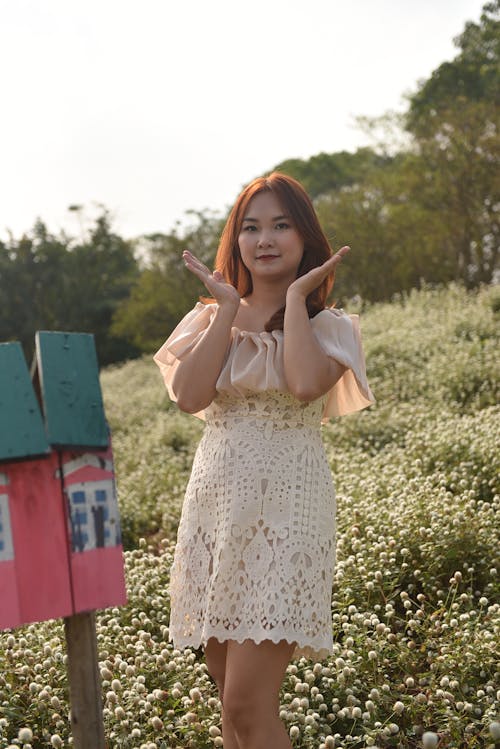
<point x="197" y="374"/>
<point x="309" y="371"/>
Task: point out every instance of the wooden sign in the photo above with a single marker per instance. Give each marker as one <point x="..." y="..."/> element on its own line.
<point x="60" y="541"/>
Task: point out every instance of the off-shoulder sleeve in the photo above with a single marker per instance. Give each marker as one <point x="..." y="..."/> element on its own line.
<point x="181" y="341"/>
<point x="339" y="335"/>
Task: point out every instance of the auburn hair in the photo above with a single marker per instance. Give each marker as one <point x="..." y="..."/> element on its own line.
<point x="296" y="203"/>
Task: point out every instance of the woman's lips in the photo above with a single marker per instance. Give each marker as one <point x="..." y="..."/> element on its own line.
<point x="267" y="257"/>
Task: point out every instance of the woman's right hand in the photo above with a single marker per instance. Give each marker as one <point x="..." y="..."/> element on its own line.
<point x="224" y="293"/>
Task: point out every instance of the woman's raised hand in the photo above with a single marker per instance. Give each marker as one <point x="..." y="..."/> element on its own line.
<point x="311" y="280"/>
<point x="224" y="293"/>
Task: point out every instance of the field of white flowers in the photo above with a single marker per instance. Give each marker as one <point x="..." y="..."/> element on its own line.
<point x="415" y="604"/>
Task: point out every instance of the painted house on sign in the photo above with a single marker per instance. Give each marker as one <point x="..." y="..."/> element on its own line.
<point x="60" y="541"/>
<point x="90" y="493"/>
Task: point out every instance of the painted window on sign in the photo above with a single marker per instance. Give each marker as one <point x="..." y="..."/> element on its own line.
<point x="6" y="545"/>
<point x="94" y="518"/>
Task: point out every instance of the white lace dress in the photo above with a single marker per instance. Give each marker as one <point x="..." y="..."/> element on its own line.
<point x="255" y="550"/>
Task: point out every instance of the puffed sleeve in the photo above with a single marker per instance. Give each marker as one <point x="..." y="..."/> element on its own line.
<point x="339" y="335"/>
<point x="181" y="341"/>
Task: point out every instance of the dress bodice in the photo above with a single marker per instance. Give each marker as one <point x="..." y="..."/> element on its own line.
<point x="254" y="360"/>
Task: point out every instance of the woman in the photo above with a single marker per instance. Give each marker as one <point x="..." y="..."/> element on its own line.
<point x="263" y="363"/>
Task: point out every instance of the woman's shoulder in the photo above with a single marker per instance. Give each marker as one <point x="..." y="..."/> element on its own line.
<point x="328" y="311"/>
<point x="325" y="317"/>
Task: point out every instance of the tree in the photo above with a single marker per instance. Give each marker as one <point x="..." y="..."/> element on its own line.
<point x="331" y="171"/>
<point x="455" y="120"/>
<point x="49" y="282"/>
<point x="472" y="76"/>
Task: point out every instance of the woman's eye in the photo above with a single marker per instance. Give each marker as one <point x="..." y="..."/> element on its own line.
<point x="249" y="227"/>
<point x="282" y="225"/>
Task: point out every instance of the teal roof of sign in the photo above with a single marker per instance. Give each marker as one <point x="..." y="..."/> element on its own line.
<point x="70" y="389"/>
<point x="22" y="434"/>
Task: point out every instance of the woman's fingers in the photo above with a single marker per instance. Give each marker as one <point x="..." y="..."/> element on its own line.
<point x="335" y="259"/>
<point x="343" y="251"/>
<point x="339" y="255"/>
<point x="193" y="262"/>
<point x="214" y="282"/>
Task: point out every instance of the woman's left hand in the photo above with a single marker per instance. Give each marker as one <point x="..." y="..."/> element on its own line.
<point x="311" y="280"/>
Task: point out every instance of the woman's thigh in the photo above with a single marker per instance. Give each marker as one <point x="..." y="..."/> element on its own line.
<point x="254" y="674"/>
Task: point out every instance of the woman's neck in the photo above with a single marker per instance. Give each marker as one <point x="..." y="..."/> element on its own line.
<point x="268" y="297"/>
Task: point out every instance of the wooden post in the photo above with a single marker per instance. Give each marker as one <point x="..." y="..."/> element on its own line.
<point x="84" y="682"/>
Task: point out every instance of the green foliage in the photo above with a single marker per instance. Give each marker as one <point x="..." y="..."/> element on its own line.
<point x="165" y="290"/>
<point x="326" y="172"/>
<point x="455" y="118"/>
<point x="473" y="75"/>
<point x="54" y="283"/>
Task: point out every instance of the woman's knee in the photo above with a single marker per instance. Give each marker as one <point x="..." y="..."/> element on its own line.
<point x="239" y="710"/>
<point x="245" y="708"/>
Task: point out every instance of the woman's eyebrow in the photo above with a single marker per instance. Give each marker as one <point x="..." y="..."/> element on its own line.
<point x="256" y="220"/>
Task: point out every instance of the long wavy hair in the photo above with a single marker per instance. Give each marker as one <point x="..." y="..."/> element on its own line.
<point x="296" y="203"/>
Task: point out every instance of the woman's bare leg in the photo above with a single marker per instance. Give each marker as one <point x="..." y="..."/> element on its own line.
<point x="215" y="656"/>
<point x="252" y="681"/>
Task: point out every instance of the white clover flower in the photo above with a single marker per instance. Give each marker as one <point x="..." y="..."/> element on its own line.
<point x="294" y="732"/>
<point x="494" y="729"/>
<point x="398" y="707"/>
<point x="157" y="723"/>
<point x="25" y="735"/>
<point x="429" y="740"/>
<point x="56" y="741"/>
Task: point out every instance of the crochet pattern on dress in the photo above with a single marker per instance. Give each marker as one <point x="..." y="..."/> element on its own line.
<point x="255" y="551"/>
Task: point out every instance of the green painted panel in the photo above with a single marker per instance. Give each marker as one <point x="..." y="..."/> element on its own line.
<point x="70" y="389"/>
<point x="22" y="433"/>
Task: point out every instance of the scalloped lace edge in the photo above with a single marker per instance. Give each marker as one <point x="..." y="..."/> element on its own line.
<point x="304" y="649"/>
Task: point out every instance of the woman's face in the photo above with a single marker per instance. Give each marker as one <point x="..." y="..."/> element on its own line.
<point x="270" y="244"/>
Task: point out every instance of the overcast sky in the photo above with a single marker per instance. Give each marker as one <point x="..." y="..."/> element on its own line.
<point x="156" y="107"/>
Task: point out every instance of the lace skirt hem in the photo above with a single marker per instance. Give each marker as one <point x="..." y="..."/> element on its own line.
<point x="317" y="649"/>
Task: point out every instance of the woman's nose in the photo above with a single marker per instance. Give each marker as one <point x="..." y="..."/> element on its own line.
<point x="265" y="239"/>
